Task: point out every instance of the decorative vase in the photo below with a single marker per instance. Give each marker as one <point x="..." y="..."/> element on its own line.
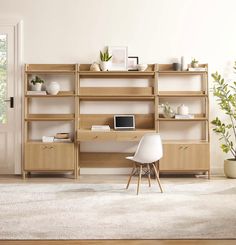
<point x="36" y="86"/>
<point x="105" y="65"/>
<point x="230" y="168"/>
<point x="182" y="110"/>
<point x="53" y="88"/>
<point x="195" y="65"/>
<point x="95" y="67"/>
<point x="168" y="112"/>
<point x="184" y="65"/>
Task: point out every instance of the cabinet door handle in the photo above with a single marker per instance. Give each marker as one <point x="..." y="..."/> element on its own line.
<point x="186" y="147"/>
<point x="95" y="137"/>
<point x="45" y="147"/>
<point x="181" y="147"/>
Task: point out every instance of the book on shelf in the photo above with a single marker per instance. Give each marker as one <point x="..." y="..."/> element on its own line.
<point x="63" y="140"/>
<point x="189" y="116"/>
<point x="197" y="69"/>
<point x="47" y="139"/>
<point x="101" y="128"/>
<point x="36" y="93"/>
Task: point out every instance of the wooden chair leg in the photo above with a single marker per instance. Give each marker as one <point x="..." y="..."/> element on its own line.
<point x="130" y="177"/>
<point x="149" y="175"/>
<point x="140" y="176"/>
<point x="157" y="177"/>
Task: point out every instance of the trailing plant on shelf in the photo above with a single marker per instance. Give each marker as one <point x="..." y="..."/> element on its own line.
<point x="225" y="94"/>
<point x="37" y="83"/>
<point x="105" y="60"/>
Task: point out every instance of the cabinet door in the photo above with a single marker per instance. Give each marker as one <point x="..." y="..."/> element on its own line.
<point x="185" y="157"/>
<point x="49" y="156"/>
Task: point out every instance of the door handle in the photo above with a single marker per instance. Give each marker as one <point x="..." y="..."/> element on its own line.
<point x="11" y="100"/>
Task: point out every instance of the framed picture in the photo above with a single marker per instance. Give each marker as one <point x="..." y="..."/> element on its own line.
<point x="119" y="57"/>
<point x="132" y="63"/>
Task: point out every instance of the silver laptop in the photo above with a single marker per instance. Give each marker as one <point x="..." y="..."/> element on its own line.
<point x="124" y="122"/>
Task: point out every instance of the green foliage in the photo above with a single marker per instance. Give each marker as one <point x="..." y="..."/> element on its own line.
<point x="194" y="61"/>
<point x="226" y="97"/>
<point x="105" y="56"/>
<point x="37" y="80"/>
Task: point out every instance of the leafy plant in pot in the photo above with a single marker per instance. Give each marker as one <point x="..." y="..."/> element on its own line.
<point x="226" y="98"/>
<point x="105" y="60"/>
<point x="194" y="63"/>
<point x="37" y="83"/>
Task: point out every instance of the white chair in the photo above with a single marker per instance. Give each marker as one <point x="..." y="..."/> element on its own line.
<point x="149" y="152"/>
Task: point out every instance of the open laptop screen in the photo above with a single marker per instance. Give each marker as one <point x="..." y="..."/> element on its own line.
<point x="124" y="122"/>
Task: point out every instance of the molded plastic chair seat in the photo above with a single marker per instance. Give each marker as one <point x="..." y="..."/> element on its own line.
<point x="149" y="151"/>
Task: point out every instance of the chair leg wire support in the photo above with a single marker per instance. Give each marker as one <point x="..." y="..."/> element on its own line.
<point x="145" y="169"/>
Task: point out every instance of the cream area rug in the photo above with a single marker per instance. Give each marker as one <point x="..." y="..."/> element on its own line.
<point x="108" y="211"/>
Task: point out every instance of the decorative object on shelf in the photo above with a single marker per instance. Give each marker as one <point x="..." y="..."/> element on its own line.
<point x="226" y="94"/>
<point x="105" y="60"/>
<point x="119" y="57"/>
<point x="182" y="110"/>
<point x="176" y="66"/>
<point x="101" y="128"/>
<point x="47" y="139"/>
<point x="95" y="67"/>
<point x="142" y="67"/>
<point x="36" y="83"/>
<point x="197" y="69"/>
<point x="53" y="88"/>
<point x="62" y="136"/>
<point x="168" y="112"/>
<point x="184" y="65"/>
<point x="132" y="63"/>
<point x="194" y="63"/>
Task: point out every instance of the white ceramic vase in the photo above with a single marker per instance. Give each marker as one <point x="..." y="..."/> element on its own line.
<point x="53" y="88"/>
<point x="230" y="168"/>
<point x="105" y="65"/>
<point x="36" y="86"/>
<point x="182" y="110"/>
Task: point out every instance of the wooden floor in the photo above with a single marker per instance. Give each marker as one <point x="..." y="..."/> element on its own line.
<point x="107" y="179"/>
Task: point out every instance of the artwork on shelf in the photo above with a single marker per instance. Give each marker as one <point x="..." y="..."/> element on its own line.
<point x="119" y="57"/>
<point x="132" y="63"/>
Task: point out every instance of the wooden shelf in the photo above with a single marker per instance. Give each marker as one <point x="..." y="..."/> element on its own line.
<point x="115" y="97"/>
<point x="40" y="142"/>
<point x="50" y="117"/>
<point x="116" y="91"/>
<point x="185" y="142"/>
<point x="182" y="72"/>
<point x="60" y="94"/>
<point x="183" y="120"/>
<point x="182" y="94"/>
<point x="50" y="68"/>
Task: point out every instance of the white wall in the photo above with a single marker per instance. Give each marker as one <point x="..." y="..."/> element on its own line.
<point x="73" y="31"/>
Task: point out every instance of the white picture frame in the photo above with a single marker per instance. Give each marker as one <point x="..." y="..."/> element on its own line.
<point x="119" y="58"/>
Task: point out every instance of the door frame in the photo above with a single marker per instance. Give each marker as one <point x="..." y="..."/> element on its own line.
<point x="18" y="85"/>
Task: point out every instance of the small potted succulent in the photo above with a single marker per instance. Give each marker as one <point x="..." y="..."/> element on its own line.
<point x="194" y="63"/>
<point x="36" y="83"/>
<point x="226" y="129"/>
<point x="105" y="60"/>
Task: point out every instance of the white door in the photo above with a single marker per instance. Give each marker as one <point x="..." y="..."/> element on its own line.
<point x="8" y="118"/>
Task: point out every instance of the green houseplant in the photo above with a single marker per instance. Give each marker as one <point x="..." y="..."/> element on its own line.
<point x="225" y="94"/>
<point x="194" y="63"/>
<point x="105" y="60"/>
<point x="37" y="83"/>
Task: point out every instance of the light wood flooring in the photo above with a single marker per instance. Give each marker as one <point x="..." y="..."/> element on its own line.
<point x="108" y="179"/>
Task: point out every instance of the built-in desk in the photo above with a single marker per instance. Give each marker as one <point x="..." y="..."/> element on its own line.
<point x="107" y="159"/>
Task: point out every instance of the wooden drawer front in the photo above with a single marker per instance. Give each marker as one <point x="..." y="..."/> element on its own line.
<point x="87" y="136"/>
<point x="129" y="136"/>
<point x="49" y="156"/>
<point x="185" y="157"/>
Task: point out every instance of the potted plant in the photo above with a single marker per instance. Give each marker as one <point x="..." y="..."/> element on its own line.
<point x="194" y="63"/>
<point x="226" y="98"/>
<point x="37" y="83"/>
<point x="105" y="60"/>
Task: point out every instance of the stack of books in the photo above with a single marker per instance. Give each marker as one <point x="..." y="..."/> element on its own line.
<point x="197" y="69"/>
<point x="48" y="139"/>
<point x="101" y="128"/>
<point x="189" y="116"/>
<point x="36" y="93"/>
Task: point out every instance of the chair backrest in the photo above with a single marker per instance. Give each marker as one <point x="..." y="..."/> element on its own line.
<point x="149" y="149"/>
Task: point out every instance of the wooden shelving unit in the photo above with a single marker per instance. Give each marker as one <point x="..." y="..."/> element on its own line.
<point x="179" y="155"/>
<point x="48" y="157"/>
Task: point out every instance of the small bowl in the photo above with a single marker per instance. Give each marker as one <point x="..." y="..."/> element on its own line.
<point x="142" y="67"/>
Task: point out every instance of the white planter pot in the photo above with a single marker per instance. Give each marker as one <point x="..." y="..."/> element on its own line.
<point x="230" y="168"/>
<point x="53" y="88"/>
<point x="182" y="110"/>
<point x="105" y="65"/>
<point x="36" y="86"/>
